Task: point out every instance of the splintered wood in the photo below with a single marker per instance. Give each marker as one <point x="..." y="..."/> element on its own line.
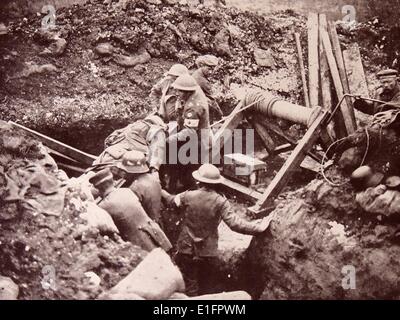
<point x="355" y="71"/>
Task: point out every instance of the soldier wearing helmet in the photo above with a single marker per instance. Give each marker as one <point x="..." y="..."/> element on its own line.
<point x="206" y="66"/>
<point x="127" y="213"/>
<point x="134" y="169"/>
<point x="161" y="94"/>
<point x="147" y="135"/>
<point x="388" y="92"/>
<point x="202" y="211"/>
<point x="191" y="98"/>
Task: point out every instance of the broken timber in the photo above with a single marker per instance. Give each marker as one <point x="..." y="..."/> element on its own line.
<point x="295" y="159"/>
<point x="355" y="71"/>
<point x="348" y="120"/>
<point x="58" y="147"/>
<point x="342" y="72"/>
<point x="313" y="59"/>
<point x="335" y="129"/>
<point x="302" y="69"/>
<point x="262" y="132"/>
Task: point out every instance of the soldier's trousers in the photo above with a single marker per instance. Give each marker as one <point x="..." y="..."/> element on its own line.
<point x="197" y="273"/>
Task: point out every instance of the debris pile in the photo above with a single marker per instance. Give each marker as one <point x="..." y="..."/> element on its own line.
<point x="94" y="71"/>
<point x="53" y="251"/>
<point x="319" y="232"/>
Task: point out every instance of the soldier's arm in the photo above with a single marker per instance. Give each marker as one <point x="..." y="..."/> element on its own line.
<point x="157" y="145"/>
<point x="239" y="224"/>
<point x="182" y="135"/>
<point x="364" y="106"/>
<point x="172" y="199"/>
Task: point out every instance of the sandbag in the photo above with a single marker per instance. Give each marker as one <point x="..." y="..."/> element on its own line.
<point x="97" y="217"/>
<point x="8" y="289"/>
<point x="234" y="295"/>
<point x="380" y="201"/>
<point x="155" y="278"/>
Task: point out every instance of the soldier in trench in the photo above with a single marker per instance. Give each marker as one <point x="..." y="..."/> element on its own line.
<point x="127" y="213"/>
<point x="388" y="92"/>
<point x="202" y="210"/>
<point x="162" y="94"/>
<point x="206" y="66"/>
<point x="134" y="169"/>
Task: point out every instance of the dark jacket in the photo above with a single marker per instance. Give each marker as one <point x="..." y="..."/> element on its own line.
<point x="203" y="211"/>
<point x="139" y="136"/>
<point x="203" y="82"/>
<point x="373" y="108"/>
<point x="132" y="221"/>
<point x="148" y="189"/>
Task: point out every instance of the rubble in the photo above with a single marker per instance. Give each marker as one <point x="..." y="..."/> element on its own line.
<point x="115" y="53"/>
<point x="31" y="243"/>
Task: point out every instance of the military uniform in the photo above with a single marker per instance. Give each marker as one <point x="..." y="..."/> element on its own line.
<point x="129" y="217"/>
<point x="206" y="86"/>
<point x="148" y="190"/>
<point x="140" y="136"/>
<point x="389" y="93"/>
<point x="372" y="108"/>
<point x="197" y="245"/>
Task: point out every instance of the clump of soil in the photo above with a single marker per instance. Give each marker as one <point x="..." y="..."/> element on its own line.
<point x="31" y="243"/>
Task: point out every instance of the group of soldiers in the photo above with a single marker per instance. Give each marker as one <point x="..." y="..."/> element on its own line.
<point x="135" y="156"/>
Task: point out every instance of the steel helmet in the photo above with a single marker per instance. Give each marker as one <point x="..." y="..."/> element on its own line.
<point x="208" y="173"/>
<point x="134" y="162"/>
<point x="364" y="178"/>
<point x="178" y="70"/>
<point x="185" y="83"/>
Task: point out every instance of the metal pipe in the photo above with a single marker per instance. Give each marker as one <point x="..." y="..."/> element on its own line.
<point x="271" y="106"/>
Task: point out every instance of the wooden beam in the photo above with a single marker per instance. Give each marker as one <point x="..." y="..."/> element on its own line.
<point x="58" y="146"/>
<point x="326" y="81"/>
<point x="313" y="59"/>
<point x="228" y="126"/>
<point x="337" y="50"/>
<point x="326" y="84"/>
<point x="337" y="125"/>
<point x="263" y="133"/>
<point x="302" y="69"/>
<point x="348" y="121"/>
<point x="247" y="193"/>
<point x="294" y="161"/>
<point x="355" y="71"/>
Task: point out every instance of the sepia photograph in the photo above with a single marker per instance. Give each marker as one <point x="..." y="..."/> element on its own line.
<point x="206" y="151"/>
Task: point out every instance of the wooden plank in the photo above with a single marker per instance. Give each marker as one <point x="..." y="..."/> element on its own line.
<point x="355" y="71"/>
<point x="58" y="146"/>
<point x="229" y="125"/>
<point x="263" y="133"/>
<point x="350" y="127"/>
<point x="326" y="81"/>
<point x="337" y="125"/>
<point x="342" y="72"/>
<point x="246" y="192"/>
<point x="302" y="69"/>
<point x="296" y="158"/>
<point x="313" y="59"/>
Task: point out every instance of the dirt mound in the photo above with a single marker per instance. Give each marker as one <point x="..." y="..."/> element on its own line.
<point x="34" y="246"/>
<point x="318" y="233"/>
<point x="88" y="95"/>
